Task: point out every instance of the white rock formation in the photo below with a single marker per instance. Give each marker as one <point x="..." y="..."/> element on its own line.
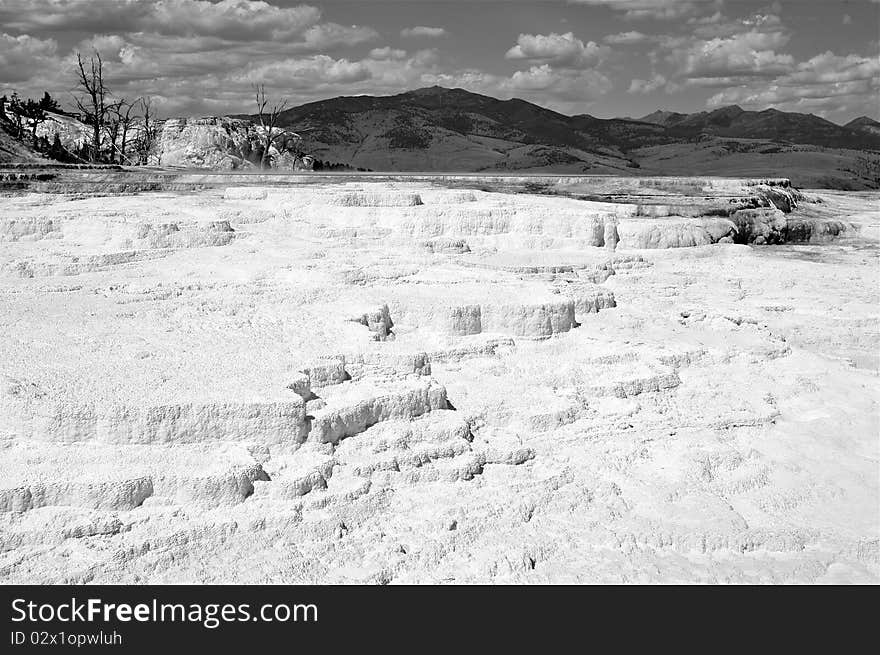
<point x="219" y="143"/>
<point x="389" y="381"/>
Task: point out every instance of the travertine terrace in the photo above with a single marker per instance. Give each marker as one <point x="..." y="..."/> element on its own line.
<point x="437" y="379"/>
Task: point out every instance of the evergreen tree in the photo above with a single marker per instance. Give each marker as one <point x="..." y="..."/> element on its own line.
<point x="48" y="103"/>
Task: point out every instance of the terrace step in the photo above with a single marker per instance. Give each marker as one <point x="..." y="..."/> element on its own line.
<point x="114" y="478"/>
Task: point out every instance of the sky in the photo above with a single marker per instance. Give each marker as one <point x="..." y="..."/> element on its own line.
<point x="603" y="57"/>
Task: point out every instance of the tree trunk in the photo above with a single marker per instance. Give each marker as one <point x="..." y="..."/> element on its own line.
<point x="96" y="141"/>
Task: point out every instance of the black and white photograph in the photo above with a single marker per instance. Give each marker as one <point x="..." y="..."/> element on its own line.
<point x="524" y="293"/>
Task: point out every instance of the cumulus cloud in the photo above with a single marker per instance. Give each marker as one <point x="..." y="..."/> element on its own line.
<point x="568" y="85"/>
<point x="421" y="31"/>
<point x="824" y="83"/>
<point x="751" y="53"/>
<point x="829" y="68"/>
<point x="647" y="86"/>
<point x="719" y="49"/>
<point x="558" y="49"/>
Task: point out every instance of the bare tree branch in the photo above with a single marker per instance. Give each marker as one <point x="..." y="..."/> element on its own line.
<point x="269" y="117"/>
<point x="93" y="104"/>
<point x="122" y="118"/>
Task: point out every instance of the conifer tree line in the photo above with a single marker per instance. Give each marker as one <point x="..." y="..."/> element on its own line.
<point x="120" y="130"/>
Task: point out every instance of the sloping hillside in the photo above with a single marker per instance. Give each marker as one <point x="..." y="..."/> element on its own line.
<point x="14" y="151"/>
<point x="664" y="118"/>
<point x="439" y="129"/>
<point x="806" y="166"/>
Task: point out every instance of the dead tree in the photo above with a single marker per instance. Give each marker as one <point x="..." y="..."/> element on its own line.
<point x="122" y="118"/>
<point x="94" y="104"/>
<point x="147" y="134"/>
<point x="111" y="135"/>
<point x="269" y="117"/>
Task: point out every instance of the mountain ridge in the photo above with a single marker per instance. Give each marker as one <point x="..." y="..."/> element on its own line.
<point x="730" y="120"/>
<point x="455" y="110"/>
<point x="736" y="122"/>
<point x="437" y="129"/>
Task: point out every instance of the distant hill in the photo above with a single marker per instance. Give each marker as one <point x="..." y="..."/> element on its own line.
<point x="663" y="118"/>
<point x="791" y="127"/>
<point x="440" y="129"/>
<point x="864" y="125"/>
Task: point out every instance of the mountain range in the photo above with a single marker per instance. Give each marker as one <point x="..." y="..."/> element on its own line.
<point x="734" y="121"/>
<point x="440" y="129"/>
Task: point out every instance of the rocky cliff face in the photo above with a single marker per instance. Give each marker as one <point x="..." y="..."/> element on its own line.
<point x="223" y="144"/>
<point x="72" y="133"/>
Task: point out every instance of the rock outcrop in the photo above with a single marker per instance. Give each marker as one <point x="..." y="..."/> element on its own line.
<point x="222" y="143"/>
<point x="73" y="134"/>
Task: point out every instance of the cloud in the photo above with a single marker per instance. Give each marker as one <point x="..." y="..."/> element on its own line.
<point x="229" y="19"/>
<point x="546" y="82"/>
<point x="326" y="35"/>
<point x="647" y="86"/>
<point x="308" y="72"/>
<point x="746" y="53"/>
<point x="626" y="38"/>
<point x="108" y="45"/>
<point x="829" y="68"/>
<point x="21" y="56"/>
<point x="655" y="9"/>
<point x="825" y="83"/>
<point x="719" y="26"/>
<point x="387" y="53"/>
<point x="34" y="15"/>
<point x="423" y="32"/>
<point x="559" y="49"/>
